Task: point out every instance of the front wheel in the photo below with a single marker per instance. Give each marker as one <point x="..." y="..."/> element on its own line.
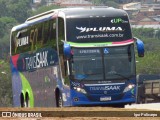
<point x="59" y="101"/>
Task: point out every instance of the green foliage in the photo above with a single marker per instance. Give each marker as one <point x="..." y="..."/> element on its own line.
<point x="3" y="8"/>
<point x="150" y="64"/>
<point x="144" y="32"/>
<point x="110" y="3"/>
<point x="6" y="23"/>
<point x="18" y="9"/>
<point x="5" y="85"/>
<point x="44" y="9"/>
<point x="12" y="13"/>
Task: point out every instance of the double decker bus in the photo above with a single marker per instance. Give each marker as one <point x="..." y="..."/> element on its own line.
<point x="74" y="57"/>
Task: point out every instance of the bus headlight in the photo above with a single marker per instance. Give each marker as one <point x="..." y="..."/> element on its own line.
<point x="128" y="88"/>
<point x="78" y="89"/>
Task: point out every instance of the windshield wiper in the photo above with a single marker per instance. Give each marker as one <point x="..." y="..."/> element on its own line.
<point x="127" y="78"/>
<point x="93" y="73"/>
<point x="87" y="75"/>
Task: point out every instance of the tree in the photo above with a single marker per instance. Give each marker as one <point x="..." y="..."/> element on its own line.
<point x="111" y="4"/>
<point x="6" y="23"/>
<point x="3" y="8"/>
<point x="150" y="63"/>
<point x="20" y="10"/>
<point x="44" y="9"/>
<point x="5" y="85"/>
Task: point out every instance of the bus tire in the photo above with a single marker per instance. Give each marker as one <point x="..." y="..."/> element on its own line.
<point x="27" y="100"/>
<point x="59" y="102"/>
<point x="22" y="101"/>
<point x="140" y="100"/>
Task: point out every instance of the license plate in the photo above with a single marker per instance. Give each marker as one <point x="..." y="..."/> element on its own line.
<point x="105" y="98"/>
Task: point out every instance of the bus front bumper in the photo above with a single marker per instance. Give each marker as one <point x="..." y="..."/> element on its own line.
<point x="91" y="103"/>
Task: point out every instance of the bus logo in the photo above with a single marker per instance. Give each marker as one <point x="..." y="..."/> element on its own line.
<point x="37" y="61"/>
<point x="6" y="114"/>
<point x="105" y="88"/>
<point x="118" y="20"/>
<point x="22" y="41"/>
<point x="100" y="29"/>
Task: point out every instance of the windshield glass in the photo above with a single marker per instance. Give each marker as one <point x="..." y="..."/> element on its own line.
<point x="87" y="64"/>
<point x="103" y="63"/>
<point x="119" y="62"/>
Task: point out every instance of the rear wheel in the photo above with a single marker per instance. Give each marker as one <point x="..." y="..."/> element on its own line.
<point x="27" y="101"/>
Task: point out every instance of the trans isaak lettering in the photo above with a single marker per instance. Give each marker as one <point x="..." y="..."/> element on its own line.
<point x="37" y="61"/>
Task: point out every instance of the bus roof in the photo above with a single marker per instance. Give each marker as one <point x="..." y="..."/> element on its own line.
<point x="73" y="13"/>
<point x="94" y="12"/>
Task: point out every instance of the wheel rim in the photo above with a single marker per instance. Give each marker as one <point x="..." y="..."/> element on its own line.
<point x="27" y="102"/>
<point x="60" y="101"/>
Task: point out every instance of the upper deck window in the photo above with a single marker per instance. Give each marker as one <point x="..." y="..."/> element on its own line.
<point x="31" y="38"/>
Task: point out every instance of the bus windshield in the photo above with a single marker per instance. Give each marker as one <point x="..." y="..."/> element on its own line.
<point x="112" y="63"/>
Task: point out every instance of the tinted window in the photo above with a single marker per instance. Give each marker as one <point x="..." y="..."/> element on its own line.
<point x="34" y="37"/>
<point x="112" y="63"/>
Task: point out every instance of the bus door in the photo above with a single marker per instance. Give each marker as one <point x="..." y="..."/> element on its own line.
<point x="64" y="65"/>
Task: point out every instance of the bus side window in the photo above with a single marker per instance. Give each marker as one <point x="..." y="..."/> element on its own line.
<point x="52" y="36"/>
<point x="23" y="47"/>
<point x="63" y="61"/>
<point x="33" y="34"/>
<point x="45" y="33"/>
<point x="13" y="44"/>
<point x="39" y="36"/>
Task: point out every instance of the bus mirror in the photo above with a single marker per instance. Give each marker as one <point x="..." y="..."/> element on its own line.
<point x="67" y="50"/>
<point x="140" y="47"/>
